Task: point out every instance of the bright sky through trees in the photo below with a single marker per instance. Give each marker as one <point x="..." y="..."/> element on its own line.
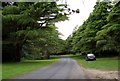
<point x="85" y="6"/>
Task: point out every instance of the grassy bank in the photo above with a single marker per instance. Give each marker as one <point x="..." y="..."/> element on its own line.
<point x="108" y="63"/>
<point x="10" y="70"/>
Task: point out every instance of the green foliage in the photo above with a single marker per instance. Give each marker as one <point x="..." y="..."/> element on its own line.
<point x="99" y="32"/>
<point x="29" y="26"/>
<point x="110" y="31"/>
<point x="38" y="39"/>
<point x="11" y="10"/>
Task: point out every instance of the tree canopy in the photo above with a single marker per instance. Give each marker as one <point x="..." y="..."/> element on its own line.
<point x="31" y="25"/>
<point x="99" y="33"/>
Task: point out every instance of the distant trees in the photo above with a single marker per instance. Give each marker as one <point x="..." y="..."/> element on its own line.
<point x="99" y="33"/>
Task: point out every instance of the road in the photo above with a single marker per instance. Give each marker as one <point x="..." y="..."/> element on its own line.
<point x="66" y="68"/>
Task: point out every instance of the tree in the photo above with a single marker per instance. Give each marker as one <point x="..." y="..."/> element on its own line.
<point x="93" y="35"/>
<point x="108" y="37"/>
<point x="20" y="18"/>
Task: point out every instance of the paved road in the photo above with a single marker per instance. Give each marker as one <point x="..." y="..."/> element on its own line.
<point x="66" y="68"/>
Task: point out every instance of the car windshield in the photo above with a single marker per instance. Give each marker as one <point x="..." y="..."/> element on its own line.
<point x="90" y="54"/>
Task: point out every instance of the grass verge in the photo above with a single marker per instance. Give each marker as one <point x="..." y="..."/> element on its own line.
<point x="109" y="63"/>
<point x="10" y="70"/>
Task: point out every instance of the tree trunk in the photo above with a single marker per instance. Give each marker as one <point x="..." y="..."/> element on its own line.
<point x="46" y="54"/>
<point x="18" y="53"/>
<point x="11" y="53"/>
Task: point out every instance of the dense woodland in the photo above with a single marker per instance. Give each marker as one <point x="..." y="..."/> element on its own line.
<point x="29" y="31"/>
<point x="100" y="33"/>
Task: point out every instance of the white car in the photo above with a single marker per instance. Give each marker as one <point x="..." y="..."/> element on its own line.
<point x="90" y="57"/>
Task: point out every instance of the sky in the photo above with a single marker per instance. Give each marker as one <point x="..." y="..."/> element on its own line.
<point x="85" y="7"/>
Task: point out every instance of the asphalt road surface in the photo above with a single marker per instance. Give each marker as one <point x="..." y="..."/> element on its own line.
<point x="66" y="68"/>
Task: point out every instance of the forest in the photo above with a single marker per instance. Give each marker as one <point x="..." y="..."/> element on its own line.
<point x="29" y="31"/>
<point x="99" y="34"/>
